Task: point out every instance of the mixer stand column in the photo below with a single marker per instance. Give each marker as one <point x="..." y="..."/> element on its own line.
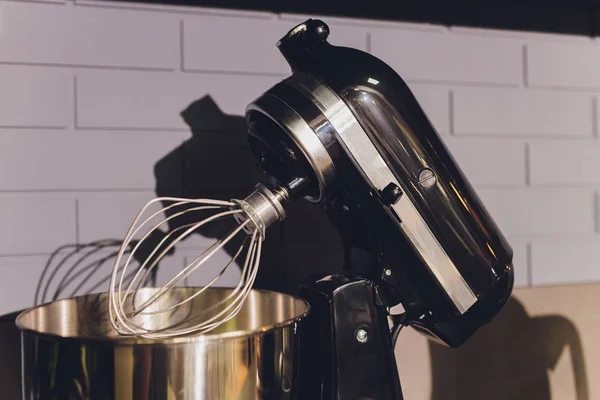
<point x="346" y="344"/>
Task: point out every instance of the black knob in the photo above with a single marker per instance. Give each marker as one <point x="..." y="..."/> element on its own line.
<point x="310" y="32"/>
<point x="390" y="194"/>
<point x="299" y="43"/>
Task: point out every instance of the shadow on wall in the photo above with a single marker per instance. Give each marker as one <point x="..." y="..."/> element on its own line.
<point x="216" y="163"/>
<point x="508" y="359"/>
<point x="77" y="269"/>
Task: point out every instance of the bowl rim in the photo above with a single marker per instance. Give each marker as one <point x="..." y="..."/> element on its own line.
<point x="136" y="340"/>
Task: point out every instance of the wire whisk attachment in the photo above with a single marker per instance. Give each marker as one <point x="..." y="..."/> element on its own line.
<point x="165" y="313"/>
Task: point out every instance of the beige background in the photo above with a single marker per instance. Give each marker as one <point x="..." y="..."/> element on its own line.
<point x="543" y="345"/>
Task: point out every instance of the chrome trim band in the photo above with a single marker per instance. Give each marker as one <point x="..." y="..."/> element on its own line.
<point x="366" y="157"/>
<point x="304" y="137"/>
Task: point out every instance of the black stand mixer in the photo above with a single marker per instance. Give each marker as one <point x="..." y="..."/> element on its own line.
<point x="345" y="131"/>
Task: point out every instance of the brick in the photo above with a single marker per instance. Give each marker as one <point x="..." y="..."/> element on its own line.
<point x="516" y="112"/>
<point x="540" y="211"/>
<point x="564" y="260"/>
<point x="564" y="162"/>
<point x="489" y="161"/>
<point x="109" y="215"/>
<point x="434" y="100"/>
<point x="238" y="51"/>
<point x="36" y="222"/>
<point x="442" y="57"/>
<point x="88" y="36"/>
<point x="573" y="65"/>
<point x="151" y="100"/>
<point x="75" y="160"/>
<point x="34" y="97"/>
<point x="520" y="264"/>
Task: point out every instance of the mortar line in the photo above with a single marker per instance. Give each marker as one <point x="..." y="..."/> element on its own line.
<point x="235" y="73"/>
<point x="34" y="127"/>
<point x="87" y="66"/>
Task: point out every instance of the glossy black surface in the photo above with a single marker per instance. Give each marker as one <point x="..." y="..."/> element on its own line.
<point x="334" y="363"/>
<point x="391" y="116"/>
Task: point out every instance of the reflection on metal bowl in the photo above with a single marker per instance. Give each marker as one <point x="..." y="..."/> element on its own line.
<point x="71" y="351"/>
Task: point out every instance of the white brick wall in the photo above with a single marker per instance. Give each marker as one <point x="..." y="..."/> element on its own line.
<point x="573" y="66"/>
<point x="91" y="95"/>
<point x="521" y="112"/>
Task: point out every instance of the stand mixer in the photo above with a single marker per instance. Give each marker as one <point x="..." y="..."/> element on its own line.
<point x="345" y="132"/>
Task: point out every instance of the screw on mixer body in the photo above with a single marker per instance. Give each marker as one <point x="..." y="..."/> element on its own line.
<point x="362" y="336"/>
<point x="427" y="178"/>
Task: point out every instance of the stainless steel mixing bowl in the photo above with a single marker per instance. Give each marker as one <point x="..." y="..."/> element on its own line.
<point x="71" y="351"/>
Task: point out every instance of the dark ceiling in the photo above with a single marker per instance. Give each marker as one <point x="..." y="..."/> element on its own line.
<point x="577" y="17"/>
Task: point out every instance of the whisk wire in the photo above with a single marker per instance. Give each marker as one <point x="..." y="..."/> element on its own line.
<point x="208" y="285"/>
<point x="160" y="318"/>
<point x="128" y="237"/>
<point x="113" y="310"/>
<point x="177" y="278"/>
<point x="250" y="268"/>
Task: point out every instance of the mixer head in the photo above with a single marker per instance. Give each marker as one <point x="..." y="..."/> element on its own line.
<point x="344" y="131"/>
